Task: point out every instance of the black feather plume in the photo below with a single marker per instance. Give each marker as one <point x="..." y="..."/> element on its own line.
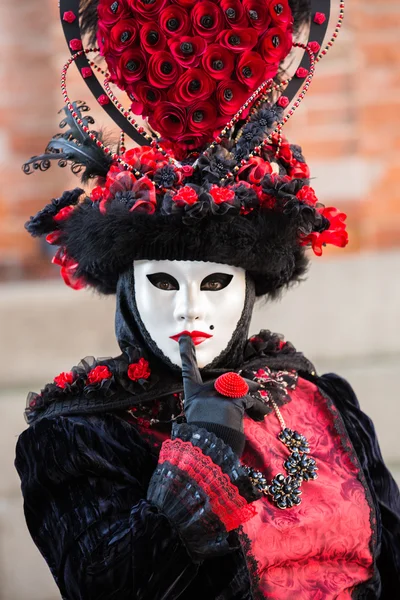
<point x="73" y="146"/>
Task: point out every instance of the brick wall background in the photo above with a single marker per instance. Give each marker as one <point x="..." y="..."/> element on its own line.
<point x="348" y="126"/>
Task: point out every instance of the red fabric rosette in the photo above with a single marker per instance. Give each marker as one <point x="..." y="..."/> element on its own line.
<point x="110" y="11"/>
<point x="174" y="21"/>
<point x="169" y="120"/>
<point x="147" y="10"/>
<point x="234" y="13"/>
<point x="307" y="195"/>
<point x="230" y="96"/>
<point x="147" y="96"/>
<point x="152" y="38"/>
<point x="192" y="85"/>
<point x="206" y="19"/>
<point x="218" y="62"/>
<point x="202" y="115"/>
<point x="238" y="40"/>
<point x="131" y="66"/>
<point x="162" y="70"/>
<point x="252" y="70"/>
<point x="187" y="50"/>
<point x="275" y="45"/>
<point x="281" y="15"/>
<point x="257" y="14"/>
<point x="123" y="35"/>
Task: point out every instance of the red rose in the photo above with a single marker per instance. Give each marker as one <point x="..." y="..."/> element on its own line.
<point x="169" y="120"/>
<point x="280" y="12"/>
<point x="192" y="85"/>
<point x="76" y="44"/>
<point x="139" y="370"/>
<point x="275" y="45"/>
<point x="314" y="47"/>
<point x="231" y="95"/>
<point x="174" y="20"/>
<point x="185" y="195"/>
<point x="319" y="18"/>
<point x="301" y="73"/>
<point x="307" y="195"/>
<point x="218" y="62"/>
<point x="255" y="170"/>
<point x="206" y="19"/>
<point x="162" y="70"/>
<point x="152" y="38"/>
<point x="63" y="213"/>
<point x="132" y="66"/>
<point x="238" y="40"/>
<point x="191" y="141"/>
<point x="123" y="35"/>
<point x="283" y="101"/>
<point x="147" y="10"/>
<point x="252" y="70"/>
<point x="64" y="379"/>
<point x="103" y="99"/>
<point x="221" y="195"/>
<point x="148" y="95"/>
<point x="202" y="115"/>
<point x="186" y="50"/>
<point x="257" y="14"/>
<point x="110" y="11"/>
<point x="86" y="72"/>
<point x="185" y="3"/>
<point x="234" y="13"/>
<point x="69" y="16"/>
<point x="298" y="170"/>
<point x="98" y="374"/>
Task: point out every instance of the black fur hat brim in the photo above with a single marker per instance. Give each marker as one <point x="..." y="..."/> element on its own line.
<point x="264" y="243"/>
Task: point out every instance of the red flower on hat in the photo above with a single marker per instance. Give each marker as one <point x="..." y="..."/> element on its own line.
<point x="185" y="195"/>
<point x="231" y="95"/>
<point x="75" y="44"/>
<point x="169" y="120"/>
<point x="314" y="47"/>
<point x="152" y="38"/>
<point x="110" y="11"/>
<point x="132" y="66"/>
<point x="283" y="101"/>
<point x="221" y="195"/>
<point x="98" y="374"/>
<point x="206" y="19"/>
<point x="218" y="62"/>
<point x="163" y="70"/>
<point x="238" y="40"/>
<point x="193" y="85"/>
<point x="147" y="10"/>
<point x="202" y="115"/>
<point x="257" y="14"/>
<point x="69" y="16"/>
<point x="336" y="234"/>
<point x="252" y="70"/>
<point x="139" y="370"/>
<point x="145" y="196"/>
<point x="174" y="20"/>
<point x="234" y="13"/>
<point x="298" y="170"/>
<point x="280" y="13"/>
<point x="187" y="50"/>
<point x="307" y="195"/>
<point x="123" y="35"/>
<point x="255" y="170"/>
<point x="63" y="379"/>
<point x="275" y="45"/>
<point x="147" y="96"/>
<point x="319" y="18"/>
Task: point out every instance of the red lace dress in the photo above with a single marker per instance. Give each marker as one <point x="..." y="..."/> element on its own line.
<point x="321" y="549"/>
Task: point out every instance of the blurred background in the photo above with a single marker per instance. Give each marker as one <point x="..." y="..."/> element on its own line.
<point x="345" y="317"/>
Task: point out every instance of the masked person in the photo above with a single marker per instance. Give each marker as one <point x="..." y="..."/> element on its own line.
<point x="199" y="463"/>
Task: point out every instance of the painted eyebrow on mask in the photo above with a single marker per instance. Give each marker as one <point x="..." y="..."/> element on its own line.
<point x="163" y="281"/>
<point x="216" y="282"/>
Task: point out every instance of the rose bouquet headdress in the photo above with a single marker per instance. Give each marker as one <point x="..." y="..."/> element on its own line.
<point x="214" y="178"/>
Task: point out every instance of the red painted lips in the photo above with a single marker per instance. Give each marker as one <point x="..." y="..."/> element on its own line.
<point x="197" y="336"/>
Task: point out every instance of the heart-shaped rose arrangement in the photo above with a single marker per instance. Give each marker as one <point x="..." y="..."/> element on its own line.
<point x="189" y="65"/>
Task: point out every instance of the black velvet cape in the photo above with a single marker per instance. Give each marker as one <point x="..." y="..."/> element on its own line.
<point x="110" y="526"/>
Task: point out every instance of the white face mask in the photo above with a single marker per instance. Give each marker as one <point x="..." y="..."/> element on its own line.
<point x="202" y="298"/>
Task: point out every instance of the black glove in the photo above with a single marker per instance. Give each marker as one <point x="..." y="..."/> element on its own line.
<point x="205" y="407"/>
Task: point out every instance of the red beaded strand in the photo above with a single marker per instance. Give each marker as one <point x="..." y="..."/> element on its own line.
<point x="335" y="33"/>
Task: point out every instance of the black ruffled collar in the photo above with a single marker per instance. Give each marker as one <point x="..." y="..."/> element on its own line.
<point x="129" y="380"/>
